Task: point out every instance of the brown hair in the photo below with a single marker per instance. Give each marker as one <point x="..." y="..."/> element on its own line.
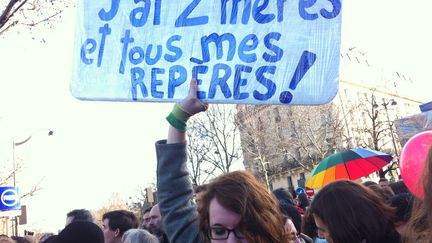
<point x="353" y="213"/>
<point x="419" y="226"/>
<point x="309" y="227"/>
<point x="261" y="220"/>
<point x="384" y="192"/>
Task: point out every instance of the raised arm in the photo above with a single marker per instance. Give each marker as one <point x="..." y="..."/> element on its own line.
<point x="175" y="190"/>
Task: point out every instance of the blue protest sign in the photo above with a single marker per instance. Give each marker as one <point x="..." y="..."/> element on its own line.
<point x="9" y="198"/>
<point x="240" y="51"/>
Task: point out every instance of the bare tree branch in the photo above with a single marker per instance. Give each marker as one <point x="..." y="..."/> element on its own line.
<point x="375" y="131"/>
<point x="30" y="13"/>
<point x="292" y="137"/>
<point x="197" y="148"/>
<point x="44" y="20"/>
<point x="6" y="179"/>
<point x="8" y="12"/>
<point x="35" y="188"/>
<point x="218" y="126"/>
<point x="8" y="27"/>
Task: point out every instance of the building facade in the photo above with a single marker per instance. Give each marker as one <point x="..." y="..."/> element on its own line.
<point x="281" y="144"/>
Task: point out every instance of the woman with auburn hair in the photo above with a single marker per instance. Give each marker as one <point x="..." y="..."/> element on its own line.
<point x="239" y="192"/>
<point x="419" y="226"/>
<point x="345" y="211"/>
<point x="235" y="206"/>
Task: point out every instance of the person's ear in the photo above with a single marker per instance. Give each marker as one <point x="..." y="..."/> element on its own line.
<point x="117" y="233"/>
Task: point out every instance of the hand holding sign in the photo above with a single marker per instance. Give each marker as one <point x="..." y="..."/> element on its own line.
<point x="188" y="107"/>
<point x="191" y="104"/>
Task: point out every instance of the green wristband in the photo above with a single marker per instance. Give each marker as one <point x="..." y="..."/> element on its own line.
<point x="179" y="113"/>
<point x="176" y="123"/>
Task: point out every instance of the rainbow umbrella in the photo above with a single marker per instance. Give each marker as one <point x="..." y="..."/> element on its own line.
<point x="351" y="165"/>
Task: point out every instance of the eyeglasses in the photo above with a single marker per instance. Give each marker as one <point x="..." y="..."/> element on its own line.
<point x="222" y="233"/>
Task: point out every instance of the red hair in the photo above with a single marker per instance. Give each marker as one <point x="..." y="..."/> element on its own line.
<point x="261" y="220"/>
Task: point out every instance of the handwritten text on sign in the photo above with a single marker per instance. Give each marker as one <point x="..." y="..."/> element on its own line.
<point x="240" y="51"/>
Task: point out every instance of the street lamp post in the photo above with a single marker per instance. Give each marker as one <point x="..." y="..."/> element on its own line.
<point x="14" y="144"/>
<point x="385" y="104"/>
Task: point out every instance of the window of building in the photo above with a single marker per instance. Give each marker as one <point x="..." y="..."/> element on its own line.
<point x="260" y="124"/>
<point x="268" y="113"/>
<point x="276" y="114"/>
<point x="363" y="115"/>
<point x="290" y="182"/>
<point x="280" y="133"/>
<point x="302" y="176"/>
<point x="301" y="183"/>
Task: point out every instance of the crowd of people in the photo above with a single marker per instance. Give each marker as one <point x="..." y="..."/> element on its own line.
<point x="118" y="226"/>
<point x="236" y="207"/>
